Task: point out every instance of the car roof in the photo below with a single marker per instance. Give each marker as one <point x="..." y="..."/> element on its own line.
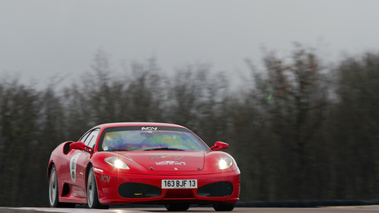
<point x="122" y="124"/>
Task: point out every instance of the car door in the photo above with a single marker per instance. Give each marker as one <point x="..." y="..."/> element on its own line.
<point x="78" y="165"/>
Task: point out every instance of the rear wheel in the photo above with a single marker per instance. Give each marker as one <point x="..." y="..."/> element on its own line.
<point x="53" y="191"/>
<point x="53" y="188"/>
<point x="177" y="207"/>
<point x="92" y="195"/>
<point x="223" y="206"/>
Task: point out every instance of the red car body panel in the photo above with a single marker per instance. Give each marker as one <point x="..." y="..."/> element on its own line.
<point x="146" y="168"/>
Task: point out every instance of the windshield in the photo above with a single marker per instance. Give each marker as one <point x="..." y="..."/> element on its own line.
<point x="124" y="139"/>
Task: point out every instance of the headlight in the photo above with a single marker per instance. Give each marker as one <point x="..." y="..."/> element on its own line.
<point x="225" y="163"/>
<point x="117" y="163"/>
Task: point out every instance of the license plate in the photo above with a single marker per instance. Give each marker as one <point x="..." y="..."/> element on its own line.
<point x="179" y="184"/>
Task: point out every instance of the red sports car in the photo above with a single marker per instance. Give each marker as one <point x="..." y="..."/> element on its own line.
<point x="119" y="163"/>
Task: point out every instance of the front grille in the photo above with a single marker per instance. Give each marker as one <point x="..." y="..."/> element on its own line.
<point x="138" y="190"/>
<point x="219" y="189"/>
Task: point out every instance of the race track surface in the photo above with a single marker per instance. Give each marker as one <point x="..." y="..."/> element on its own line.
<point x="351" y="209"/>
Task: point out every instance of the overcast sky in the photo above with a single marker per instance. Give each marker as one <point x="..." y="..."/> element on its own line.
<point x="42" y="38"/>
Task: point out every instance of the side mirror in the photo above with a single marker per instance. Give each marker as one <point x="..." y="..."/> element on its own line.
<point x="81" y="146"/>
<point x="219" y="145"/>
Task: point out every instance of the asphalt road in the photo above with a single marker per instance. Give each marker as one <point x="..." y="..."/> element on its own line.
<point x="351" y="209"/>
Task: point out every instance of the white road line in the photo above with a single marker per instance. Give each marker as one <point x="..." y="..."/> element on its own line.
<point x="79" y="210"/>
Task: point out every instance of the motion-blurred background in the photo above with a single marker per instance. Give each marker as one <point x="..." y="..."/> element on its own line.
<point x="290" y="85"/>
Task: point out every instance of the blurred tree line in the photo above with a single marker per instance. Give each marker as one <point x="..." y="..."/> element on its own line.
<point x="299" y="129"/>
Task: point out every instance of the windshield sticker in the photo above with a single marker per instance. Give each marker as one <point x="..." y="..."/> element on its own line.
<point x="149" y="128"/>
<point x="73" y="161"/>
<point x="171" y="157"/>
<point x="170" y="163"/>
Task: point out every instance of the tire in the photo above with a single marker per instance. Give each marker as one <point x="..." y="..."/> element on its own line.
<point x="223" y="206"/>
<point x="177" y="207"/>
<point x="92" y="195"/>
<point x="53" y="188"/>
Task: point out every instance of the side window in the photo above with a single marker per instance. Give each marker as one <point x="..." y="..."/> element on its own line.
<point x="84" y="137"/>
<point x="91" y="139"/>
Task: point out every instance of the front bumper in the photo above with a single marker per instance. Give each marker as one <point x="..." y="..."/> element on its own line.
<point x="135" y="188"/>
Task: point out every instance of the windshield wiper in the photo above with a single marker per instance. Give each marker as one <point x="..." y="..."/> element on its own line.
<point x="163" y="148"/>
<point x="115" y="150"/>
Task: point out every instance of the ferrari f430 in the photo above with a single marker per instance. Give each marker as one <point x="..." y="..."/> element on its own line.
<point x="157" y="163"/>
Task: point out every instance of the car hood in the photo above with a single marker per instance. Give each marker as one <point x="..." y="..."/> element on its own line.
<point x="168" y="161"/>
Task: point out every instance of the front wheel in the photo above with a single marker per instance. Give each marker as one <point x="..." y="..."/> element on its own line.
<point x="92" y="195"/>
<point x="223" y="206"/>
